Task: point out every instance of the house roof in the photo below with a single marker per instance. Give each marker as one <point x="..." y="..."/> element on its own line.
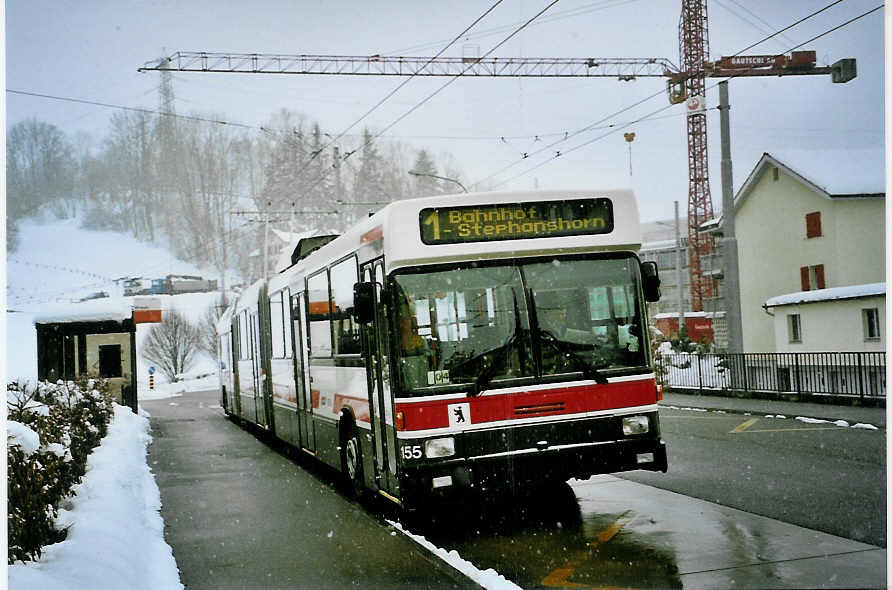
<point x="833" y="294"/>
<point x="831" y="174"/>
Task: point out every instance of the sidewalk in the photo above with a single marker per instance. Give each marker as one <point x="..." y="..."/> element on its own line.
<point x="851" y="414"/>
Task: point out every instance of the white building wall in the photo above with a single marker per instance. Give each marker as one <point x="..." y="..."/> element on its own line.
<point x="830" y="326"/>
<point x="860" y="244"/>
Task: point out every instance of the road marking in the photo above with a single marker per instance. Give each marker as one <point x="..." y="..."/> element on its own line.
<point x="559" y="578"/>
<point x="792" y="429"/>
<point x="744" y="426"/>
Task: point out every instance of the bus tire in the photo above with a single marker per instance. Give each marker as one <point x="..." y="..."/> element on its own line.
<point x="351" y="463"/>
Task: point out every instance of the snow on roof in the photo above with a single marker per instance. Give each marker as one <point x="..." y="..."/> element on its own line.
<point x="291" y="239"/>
<point x="249" y="296"/>
<point x="687" y="314"/>
<point x="839" y="172"/>
<point x="833" y="294"/>
<point x="659" y="245"/>
<point x="115" y="309"/>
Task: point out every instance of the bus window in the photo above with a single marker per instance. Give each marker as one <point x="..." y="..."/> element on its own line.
<point x="473" y="325"/>
<point x="320" y="315"/>
<point x="277" y="326"/>
<point x="455" y="324"/>
<point x="603" y="324"/>
<point x="346" y="332"/>
<point x="286" y="319"/>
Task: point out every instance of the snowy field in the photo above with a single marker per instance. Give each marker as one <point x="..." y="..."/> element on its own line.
<point x="116" y="535"/>
<point x="59" y="263"/>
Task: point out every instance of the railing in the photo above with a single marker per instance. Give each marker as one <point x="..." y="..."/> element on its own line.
<point x="847" y="374"/>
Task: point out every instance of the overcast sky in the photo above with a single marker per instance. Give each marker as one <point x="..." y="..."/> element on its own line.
<point x="91" y="50"/>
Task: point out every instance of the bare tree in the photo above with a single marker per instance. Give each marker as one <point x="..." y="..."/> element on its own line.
<point x="172" y="345"/>
<point x="207" y="328"/>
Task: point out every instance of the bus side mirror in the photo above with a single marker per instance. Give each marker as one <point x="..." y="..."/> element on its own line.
<point x="650" y="281"/>
<point x="364" y="302"/>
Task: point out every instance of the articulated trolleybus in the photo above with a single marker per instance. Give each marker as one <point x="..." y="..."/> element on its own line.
<point x="457" y="344"/>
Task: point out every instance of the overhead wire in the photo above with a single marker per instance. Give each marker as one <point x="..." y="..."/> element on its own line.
<point x="402" y="84"/>
<point x="579" y="10"/>
<point x="445" y="85"/>
<point x="647" y="98"/>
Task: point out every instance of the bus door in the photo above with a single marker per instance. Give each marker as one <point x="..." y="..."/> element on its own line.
<point x="380" y="395"/>
<point x="302" y="374"/>
<point x="259" y="376"/>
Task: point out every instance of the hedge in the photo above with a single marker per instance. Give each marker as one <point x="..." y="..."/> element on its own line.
<point x="51" y="430"/>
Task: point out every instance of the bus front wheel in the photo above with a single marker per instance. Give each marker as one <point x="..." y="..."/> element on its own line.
<point x="351" y="462"/>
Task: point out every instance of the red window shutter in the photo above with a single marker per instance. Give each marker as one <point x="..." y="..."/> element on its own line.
<point x="813" y="225"/>
<point x="803" y="274"/>
<point x="819" y="273"/>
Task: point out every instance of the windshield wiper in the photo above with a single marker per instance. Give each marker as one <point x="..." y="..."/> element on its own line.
<point x="487" y="374"/>
<point x="577" y="361"/>
<point x="587" y="370"/>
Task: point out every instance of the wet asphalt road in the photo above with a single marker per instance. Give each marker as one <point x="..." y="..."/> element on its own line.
<point x="816" y="475"/>
<point x="239" y="514"/>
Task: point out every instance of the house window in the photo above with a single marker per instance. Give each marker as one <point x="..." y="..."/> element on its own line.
<point x="110" y="360"/>
<point x="813" y="225"/>
<point x="812" y="277"/>
<point x="794" y="327"/>
<point x="871" y="321"/>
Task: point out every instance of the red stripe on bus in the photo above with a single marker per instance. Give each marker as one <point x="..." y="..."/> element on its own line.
<point x="360" y="406"/>
<point x="373" y="235"/>
<point x="532" y="404"/>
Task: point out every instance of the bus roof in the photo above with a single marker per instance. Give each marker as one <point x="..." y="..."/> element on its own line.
<point x="396" y="231"/>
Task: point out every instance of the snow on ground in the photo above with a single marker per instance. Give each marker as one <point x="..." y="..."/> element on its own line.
<point x="116" y="534"/>
<point x="840" y="423"/>
<point x="490" y="579"/>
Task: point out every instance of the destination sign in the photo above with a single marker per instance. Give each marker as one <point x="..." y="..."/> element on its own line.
<point x="515" y="221"/>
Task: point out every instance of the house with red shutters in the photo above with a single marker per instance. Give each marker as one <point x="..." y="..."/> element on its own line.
<point x="811" y="232"/>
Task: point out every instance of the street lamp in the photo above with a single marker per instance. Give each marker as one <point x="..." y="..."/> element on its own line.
<point x="416" y="173"/>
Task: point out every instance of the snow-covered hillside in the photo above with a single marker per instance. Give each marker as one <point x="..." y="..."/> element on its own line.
<point x="58" y="263"/>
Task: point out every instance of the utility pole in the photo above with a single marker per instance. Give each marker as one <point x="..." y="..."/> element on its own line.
<point x="678" y="282"/>
<point x="730" y="266"/>
<point x="265" y="245"/>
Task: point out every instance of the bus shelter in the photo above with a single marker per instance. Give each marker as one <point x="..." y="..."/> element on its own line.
<point x="94" y="338"/>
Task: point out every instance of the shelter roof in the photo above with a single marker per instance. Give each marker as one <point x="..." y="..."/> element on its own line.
<point x="115" y="309"/>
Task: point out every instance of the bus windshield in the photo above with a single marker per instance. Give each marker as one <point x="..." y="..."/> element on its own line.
<point x="533" y="320"/>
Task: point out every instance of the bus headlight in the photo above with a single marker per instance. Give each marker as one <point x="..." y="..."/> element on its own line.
<point x="439" y="447"/>
<point x="635" y="425"/>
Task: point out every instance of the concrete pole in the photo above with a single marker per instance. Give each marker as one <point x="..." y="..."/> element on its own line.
<point x="729" y="242"/>
<point x="265" y="245"/>
<point x="678" y="273"/>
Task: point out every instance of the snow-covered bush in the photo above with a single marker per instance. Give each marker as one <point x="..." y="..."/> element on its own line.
<point x="51" y="429"/>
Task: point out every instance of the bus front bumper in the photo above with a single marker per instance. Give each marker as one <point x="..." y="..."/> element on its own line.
<point x="522" y="469"/>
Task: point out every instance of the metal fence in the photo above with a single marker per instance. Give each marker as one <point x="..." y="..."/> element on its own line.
<point x="849" y="374"/>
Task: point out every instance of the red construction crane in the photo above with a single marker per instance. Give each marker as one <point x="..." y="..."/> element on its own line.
<point x="685" y="84"/>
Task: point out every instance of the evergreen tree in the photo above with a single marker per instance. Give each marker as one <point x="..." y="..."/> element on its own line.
<point x="424" y="166"/>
